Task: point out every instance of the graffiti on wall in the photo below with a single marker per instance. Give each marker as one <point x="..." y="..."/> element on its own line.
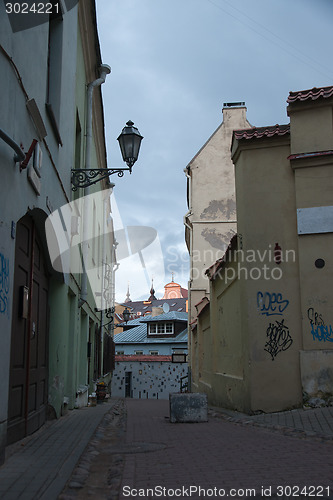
<point x="4" y="285"/>
<point x="271" y="304"/>
<point x="319" y="330"/>
<point x="278" y="338"/>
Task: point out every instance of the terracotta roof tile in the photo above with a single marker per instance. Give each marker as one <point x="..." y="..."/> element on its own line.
<point x="259" y="132"/>
<point x="142" y="357"/>
<point x="213" y="270"/>
<point x="313" y="94"/>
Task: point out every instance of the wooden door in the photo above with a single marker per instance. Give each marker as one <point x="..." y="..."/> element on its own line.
<point x="28" y="386"/>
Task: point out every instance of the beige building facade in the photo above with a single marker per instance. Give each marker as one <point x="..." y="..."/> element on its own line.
<point x="264" y="342"/>
<point x="211" y="219"/>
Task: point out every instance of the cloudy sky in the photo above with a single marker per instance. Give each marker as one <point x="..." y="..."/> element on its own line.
<point x="174" y="63"/>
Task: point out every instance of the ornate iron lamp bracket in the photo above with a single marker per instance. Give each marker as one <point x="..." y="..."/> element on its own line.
<point x="82" y="177"/>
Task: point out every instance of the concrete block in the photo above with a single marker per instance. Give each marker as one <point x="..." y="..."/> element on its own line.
<point x="188" y="407"/>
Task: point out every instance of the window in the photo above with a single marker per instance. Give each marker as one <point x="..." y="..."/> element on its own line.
<point x="168" y="328"/>
<point x="160" y="328"/>
<point x="120" y="353"/>
<point x="138" y="352"/>
<point x="153" y="353"/>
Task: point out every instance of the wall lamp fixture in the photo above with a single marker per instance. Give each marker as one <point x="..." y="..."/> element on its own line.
<point x="126" y="315"/>
<point x="129" y="142"/>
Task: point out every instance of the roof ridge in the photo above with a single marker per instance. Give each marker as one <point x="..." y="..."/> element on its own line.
<point x="259" y="132"/>
<point x="313" y="94"/>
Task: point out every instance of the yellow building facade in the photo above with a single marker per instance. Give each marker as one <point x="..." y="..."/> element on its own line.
<point x="264" y="342"/>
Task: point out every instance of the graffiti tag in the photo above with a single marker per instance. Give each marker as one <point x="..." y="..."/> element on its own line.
<point x="279" y="338"/>
<point x="271" y="304"/>
<point x="322" y="333"/>
<point x="319" y="330"/>
<point x="314" y="317"/>
<point x="4" y="284"/>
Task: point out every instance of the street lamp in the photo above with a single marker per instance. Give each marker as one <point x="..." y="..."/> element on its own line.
<point x="129" y="142"/>
<point x="126" y="315"/>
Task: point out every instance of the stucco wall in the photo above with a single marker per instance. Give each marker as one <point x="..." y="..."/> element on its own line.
<point x="312" y="131"/>
<point x="270" y="303"/>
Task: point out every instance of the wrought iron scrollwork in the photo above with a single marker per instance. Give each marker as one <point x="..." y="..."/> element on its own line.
<point x="82" y="177"/>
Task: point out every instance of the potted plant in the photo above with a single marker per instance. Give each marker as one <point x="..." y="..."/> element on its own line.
<point x="101" y="391"/>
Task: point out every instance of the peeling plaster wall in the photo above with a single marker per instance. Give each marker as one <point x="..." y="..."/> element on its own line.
<point x="220" y="209"/>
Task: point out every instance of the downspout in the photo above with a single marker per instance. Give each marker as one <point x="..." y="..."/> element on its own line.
<point x="189" y="212"/>
<point x="189" y="336"/>
<point x="104" y="268"/>
<point x="19" y="156"/>
<point x="104" y="71"/>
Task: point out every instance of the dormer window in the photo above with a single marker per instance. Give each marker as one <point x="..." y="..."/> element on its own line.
<point x="160" y="328"/>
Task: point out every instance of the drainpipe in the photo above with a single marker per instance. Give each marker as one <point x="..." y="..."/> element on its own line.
<point x="189" y="339"/>
<point x="19" y="156"/>
<point x="104" y="71"/>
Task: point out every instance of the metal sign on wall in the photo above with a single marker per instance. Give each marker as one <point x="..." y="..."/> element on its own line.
<point x="314" y="220"/>
<point x="179" y="358"/>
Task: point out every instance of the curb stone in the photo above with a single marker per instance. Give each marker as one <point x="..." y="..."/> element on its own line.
<point x="288" y="431"/>
<point x="93" y="472"/>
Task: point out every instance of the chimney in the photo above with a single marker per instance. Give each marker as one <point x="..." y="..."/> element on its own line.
<point x="156" y="311"/>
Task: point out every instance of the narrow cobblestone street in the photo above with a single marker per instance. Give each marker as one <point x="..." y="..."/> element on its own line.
<point x="129" y="449"/>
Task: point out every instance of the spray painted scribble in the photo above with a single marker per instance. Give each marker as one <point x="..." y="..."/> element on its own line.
<point x="319" y="330"/>
<point x="279" y="338"/>
<point x="4" y="284"/>
<point x="314" y="317"/>
<point x="271" y="304"/>
<point x="322" y="333"/>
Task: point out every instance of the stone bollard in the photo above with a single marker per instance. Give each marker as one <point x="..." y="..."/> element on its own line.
<point x="188" y="407"/>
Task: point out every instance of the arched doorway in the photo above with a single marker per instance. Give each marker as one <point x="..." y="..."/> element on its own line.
<point x="28" y="384"/>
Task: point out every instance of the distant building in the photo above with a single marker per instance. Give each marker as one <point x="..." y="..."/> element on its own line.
<point x="173" y="290"/>
<point x="151" y="355"/>
<point x="211" y="220"/>
<point x="174" y="299"/>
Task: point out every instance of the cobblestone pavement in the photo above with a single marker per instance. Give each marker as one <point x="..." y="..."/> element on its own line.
<point x="234" y="458"/>
<point x="39" y="466"/>
<point x="129" y="449"/>
<point x="315" y="422"/>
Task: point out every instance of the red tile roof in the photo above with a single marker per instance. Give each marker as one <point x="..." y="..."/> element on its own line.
<point x="200" y="306"/>
<point x="259" y="132"/>
<point x="213" y="270"/>
<point x="313" y="94"/>
<point x="142" y="357"/>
